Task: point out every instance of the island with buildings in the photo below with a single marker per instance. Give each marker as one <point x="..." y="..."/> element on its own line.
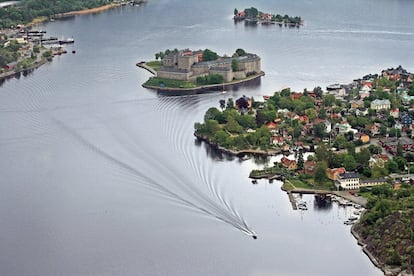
<point x="252" y="16"/>
<point x="201" y="70"/>
<point x="360" y="139"/>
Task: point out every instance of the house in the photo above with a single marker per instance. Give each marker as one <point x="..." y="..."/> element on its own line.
<point x="10" y="66"/>
<point x="381" y="104"/>
<point x="374" y="129"/>
<point x="406" y="119"/>
<point x="243" y="104"/>
<point x="378" y="160"/>
<point x="344" y="127"/>
<point x="364" y="138"/>
<point x="348" y="181"/>
<point x="271" y="125"/>
<point x="391" y="144"/>
<point x="363" y="94"/>
<point x="286" y="147"/>
<point x="362" y="112"/>
<point x="309" y="167"/>
<point x="395" y="112"/>
<point x="277" y="140"/>
<point x="289" y="164"/>
<point x="372" y="182"/>
<point x="357" y="103"/>
<point x="334" y="173"/>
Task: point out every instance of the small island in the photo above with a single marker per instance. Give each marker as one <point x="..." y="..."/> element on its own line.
<point x="252" y="16"/>
<point x="201" y="70"/>
<point x="361" y="139"/>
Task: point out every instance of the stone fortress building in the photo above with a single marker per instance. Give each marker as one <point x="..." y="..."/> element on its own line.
<point x="187" y="65"/>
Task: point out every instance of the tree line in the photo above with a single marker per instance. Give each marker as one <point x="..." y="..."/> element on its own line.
<point x="28" y="10"/>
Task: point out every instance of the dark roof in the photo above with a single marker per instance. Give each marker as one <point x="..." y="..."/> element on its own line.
<point x="348" y="175"/>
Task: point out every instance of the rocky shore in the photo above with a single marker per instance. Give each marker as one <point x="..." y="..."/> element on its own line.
<point x="239" y="153"/>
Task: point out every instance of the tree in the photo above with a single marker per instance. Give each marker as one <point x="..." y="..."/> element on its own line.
<point x="349" y="162"/>
<point x="209" y="55"/>
<point x="320" y="171"/>
<point x="300" y="161"/>
<point x="222" y="104"/>
<point x="329" y="100"/>
<point x="252" y="12"/>
<point x="233" y="126"/>
<point x="318" y="91"/>
<point x="211" y="114"/>
<point x="363" y="157"/>
<point x="319" y="130"/>
<point x="399" y="149"/>
<point x="285" y="92"/>
<point x="392" y="166"/>
<point x="236" y="11"/>
<point x="234" y="65"/>
<point x="240" y="52"/>
<point x="230" y="103"/>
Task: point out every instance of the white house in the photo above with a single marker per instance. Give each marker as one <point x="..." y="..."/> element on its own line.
<point x="348" y="181"/>
<point x="380" y="104"/>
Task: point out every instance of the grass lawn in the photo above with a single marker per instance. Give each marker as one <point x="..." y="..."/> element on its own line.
<point x="156" y="65"/>
<point x="169" y="83"/>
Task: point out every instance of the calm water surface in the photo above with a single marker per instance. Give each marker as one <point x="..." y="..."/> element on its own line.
<point x="100" y="176"/>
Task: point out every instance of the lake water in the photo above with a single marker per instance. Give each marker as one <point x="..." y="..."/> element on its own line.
<point x="100" y="176"/>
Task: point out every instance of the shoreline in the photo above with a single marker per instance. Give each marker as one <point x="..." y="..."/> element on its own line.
<point x="73" y="13"/>
<point x="238" y="153"/>
<point x="87" y="11"/>
<point x="12" y="74"/>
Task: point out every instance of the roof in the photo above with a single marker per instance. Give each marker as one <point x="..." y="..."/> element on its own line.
<point x="378" y="102"/>
<point x="349" y="175"/>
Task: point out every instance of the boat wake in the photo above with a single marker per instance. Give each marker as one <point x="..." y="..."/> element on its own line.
<point x="177" y="188"/>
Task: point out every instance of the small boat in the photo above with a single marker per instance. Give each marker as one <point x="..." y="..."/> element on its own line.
<point x="73" y="52"/>
<point x="349" y="222"/>
<point x="67" y="41"/>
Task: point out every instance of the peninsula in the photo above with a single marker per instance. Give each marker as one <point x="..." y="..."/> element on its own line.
<point x="361" y="136"/>
<point x="196" y="71"/>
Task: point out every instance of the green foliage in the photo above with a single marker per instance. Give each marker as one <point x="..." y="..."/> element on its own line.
<point x="251" y="12"/>
<point x="235" y="65"/>
<point x="210" y="79"/>
<point x="31" y="9"/>
<point x="209" y="55"/>
<point x="240" y="52"/>
<point x="170" y="83"/>
<point x="320" y="171"/>
<point x="47" y="54"/>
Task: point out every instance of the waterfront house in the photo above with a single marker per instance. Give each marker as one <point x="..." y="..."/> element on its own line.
<point x="10" y="66"/>
<point x="289" y="164"/>
<point x="348" y="181"/>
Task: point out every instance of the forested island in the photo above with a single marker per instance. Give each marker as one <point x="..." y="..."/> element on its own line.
<point x="23" y="12"/>
<point x="252" y="16"/>
<point x="201" y="69"/>
<point x="361" y="135"/>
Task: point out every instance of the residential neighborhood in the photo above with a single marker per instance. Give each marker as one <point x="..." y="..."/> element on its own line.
<point x="360" y="132"/>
